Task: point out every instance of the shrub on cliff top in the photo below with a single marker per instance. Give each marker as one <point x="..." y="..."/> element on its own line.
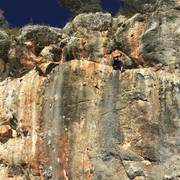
<point x="12" y="31"/>
<point x="127" y="7"/>
<point x="81" y="6"/>
<point x="132" y="7"/>
<point x="88" y="9"/>
<point x="3" y="22"/>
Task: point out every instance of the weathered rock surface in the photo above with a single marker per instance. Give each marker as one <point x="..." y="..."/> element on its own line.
<point x="4" y="48"/>
<point x="66" y="114"/>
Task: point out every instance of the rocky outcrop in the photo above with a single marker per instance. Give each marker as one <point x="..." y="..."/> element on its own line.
<point x="66" y="114"/>
<point x="163" y="27"/>
<point x="4" y="48"/>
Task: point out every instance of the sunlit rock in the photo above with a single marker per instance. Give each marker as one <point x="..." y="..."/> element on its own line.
<point x="66" y="114"/>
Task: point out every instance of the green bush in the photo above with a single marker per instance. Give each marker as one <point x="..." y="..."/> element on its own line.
<point x="132" y="7"/>
<point x="12" y="32"/>
<point x="88" y="9"/>
<point x="81" y="6"/>
<point x="3" y="22"/>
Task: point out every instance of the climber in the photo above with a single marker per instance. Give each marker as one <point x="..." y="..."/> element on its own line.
<point x="117" y="63"/>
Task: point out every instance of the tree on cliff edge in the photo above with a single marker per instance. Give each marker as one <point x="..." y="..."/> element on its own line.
<point x="3" y="22"/>
<point x="137" y="6"/>
<point x="81" y="6"/>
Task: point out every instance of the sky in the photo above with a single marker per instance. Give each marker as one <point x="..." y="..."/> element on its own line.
<point x="19" y="13"/>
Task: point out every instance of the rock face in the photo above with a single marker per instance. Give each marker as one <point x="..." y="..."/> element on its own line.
<point x="4" y="47"/>
<point x="66" y="114"/>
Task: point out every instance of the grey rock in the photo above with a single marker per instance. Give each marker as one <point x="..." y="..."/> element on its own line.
<point x="63" y="42"/>
<point x="72" y="49"/>
<point x="68" y="30"/>
<point x="118" y="22"/>
<point x="172" y="170"/>
<point x="51" y="53"/>
<point x="28" y="32"/>
<point x="162" y="30"/>
<point x="135" y="169"/>
<point x="4" y="45"/>
<point x="97" y="21"/>
<point x="41" y="36"/>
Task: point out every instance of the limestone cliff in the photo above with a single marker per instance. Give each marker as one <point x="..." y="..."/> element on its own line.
<point x="66" y="114"/>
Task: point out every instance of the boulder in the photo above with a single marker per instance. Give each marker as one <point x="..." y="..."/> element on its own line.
<point x="29" y="43"/>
